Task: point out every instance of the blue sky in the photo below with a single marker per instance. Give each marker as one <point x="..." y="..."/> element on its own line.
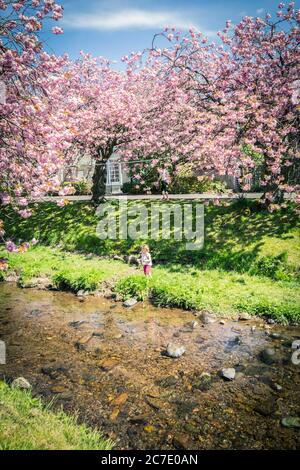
<point x="113" y="28"/>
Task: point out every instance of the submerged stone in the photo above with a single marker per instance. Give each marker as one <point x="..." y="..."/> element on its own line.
<point x="228" y="374"/>
<point x="175" y="350"/>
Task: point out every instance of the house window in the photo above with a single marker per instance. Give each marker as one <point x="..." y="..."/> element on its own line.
<point x="114" y="173"/>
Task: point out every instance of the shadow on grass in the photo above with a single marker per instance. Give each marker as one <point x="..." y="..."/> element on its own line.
<point x="234" y="234"/>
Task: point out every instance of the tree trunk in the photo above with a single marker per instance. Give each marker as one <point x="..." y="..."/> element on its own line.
<point x="99" y="182"/>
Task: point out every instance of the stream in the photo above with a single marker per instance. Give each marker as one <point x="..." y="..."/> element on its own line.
<point x="107" y="363"/>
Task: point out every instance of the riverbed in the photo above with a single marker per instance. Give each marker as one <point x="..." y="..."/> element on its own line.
<point x="108" y="364"/>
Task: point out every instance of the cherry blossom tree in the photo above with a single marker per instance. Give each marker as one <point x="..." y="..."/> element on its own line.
<point x="244" y="94"/>
<point x="32" y="134"/>
<point x="122" y="111"/>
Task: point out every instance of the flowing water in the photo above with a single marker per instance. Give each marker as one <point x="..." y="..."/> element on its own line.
<point x="107" y="363"/>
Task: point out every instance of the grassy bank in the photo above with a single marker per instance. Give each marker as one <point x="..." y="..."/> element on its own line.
<point x="171" y="285"/>
<point x="221" y="293"/>
<point x="250" y="261"/>
<point x="239" y="237"/>
<point x="67" y="271"/>
<point x="27" y="425"/>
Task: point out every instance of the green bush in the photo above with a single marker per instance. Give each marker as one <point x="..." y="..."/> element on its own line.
<point x="134" y="286"/>
<point x="75" y="281"/>
<point x="188" y="184"/>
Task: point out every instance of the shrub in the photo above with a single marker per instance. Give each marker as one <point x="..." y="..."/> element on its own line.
<point x="188" y="184"/>
<point x="134" y="286"/>
<point x="75" y="281"/>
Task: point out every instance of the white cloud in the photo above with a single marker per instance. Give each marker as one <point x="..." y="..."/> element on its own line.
<point x="260" y="11"/>
<point x="131" y="19"/>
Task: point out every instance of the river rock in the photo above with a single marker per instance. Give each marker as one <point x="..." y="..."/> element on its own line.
<point x="130" y="303"/>
<point x="291" y="422"/>
<point x="275" y="386"/>
<point x="82" y="293"/>
<point x="189" y="327"/>
<point x="77" y="324"/>
<point x="181" y="442"/>
<point x="296" y="344"/>
<point x="228" y="374"/>
<point x="244" y="317"/>
<point x="203" y="382"/>
<point x="268" y="356"/>
<point x="175" y="350"/>
<point x="82" y="342"/>
<point x="206" y="318"/>
<point x="21" y="383"/>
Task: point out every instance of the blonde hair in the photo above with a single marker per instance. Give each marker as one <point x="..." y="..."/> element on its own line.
<point x="145" y="248"/>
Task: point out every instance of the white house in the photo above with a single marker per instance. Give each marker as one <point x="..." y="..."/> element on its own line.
<point x="83" y="169"/>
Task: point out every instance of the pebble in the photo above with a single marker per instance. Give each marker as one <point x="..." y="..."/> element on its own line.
<point x="175" y="350"/>
<point x="130" y="303"/>
<point x="21" y="383"/>
<point x="206" y="318"/>
<point x="244" y="317"/>
<point x="291" y="422"/>
<point x="268" y="356"/>
<point x="228" y="374"/>
<point x="296" y="344"/>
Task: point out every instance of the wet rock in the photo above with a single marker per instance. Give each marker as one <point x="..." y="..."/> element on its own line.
<point x="206" y="318"/>
<point x="228" y="374"/>
<point x="189" y="327"/>
<point x="266" y="408"/>
<point x="199" y="339"/>
<point x="82" y="342"/>
<point x="13" y="277"/>
<point x="130" y="303"/>
<point x="296" y="344"/>
<point x="80" y="293"/>
<point x="36" y="313"/>
<point x="54" y="371"/>
<point x="290" y="422"/>
<point x="141" y="419"/>
<point x="77" y="324"/>
<point x="175" y="350"/>
<point x="21" y="383"/>
<point x="120" y="400"/>
<point x="244" y="317"/>
<point x="58" y="389"/>
<point x="181" y="442"/>
<point x="274" y="335"/>
<point x="203" y="382"/>
<point x="41" y="283"/>
<point x="108" y="364"/>
<point x="275" y="386"/>
<point x="268" y="356"/>
<point x="155" y="403"/>
<point x="167" y="381"/>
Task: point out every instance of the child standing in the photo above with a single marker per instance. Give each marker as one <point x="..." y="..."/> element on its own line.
<point x="146" y="260"/>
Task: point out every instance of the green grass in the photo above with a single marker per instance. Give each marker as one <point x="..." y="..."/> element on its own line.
<point x="68" y="271"/>
<point x="250" y="261"/>
<point x="28" y="425"/>
<point x="238" y="237"/>
<point x="218" y="292"/>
